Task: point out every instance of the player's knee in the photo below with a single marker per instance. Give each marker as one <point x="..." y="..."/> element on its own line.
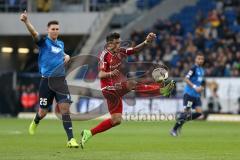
<point x="199" y="110"/>
<point x="131" y="84"/>
<point x="116" y="121"/>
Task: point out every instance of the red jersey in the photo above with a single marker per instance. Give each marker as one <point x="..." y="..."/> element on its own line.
<point x="110" y="61"/>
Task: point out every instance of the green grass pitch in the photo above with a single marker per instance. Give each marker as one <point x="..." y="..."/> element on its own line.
<point x="129" y="141"/>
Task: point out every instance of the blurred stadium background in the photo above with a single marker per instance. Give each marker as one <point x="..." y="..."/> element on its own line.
<point x="183" y="28"/>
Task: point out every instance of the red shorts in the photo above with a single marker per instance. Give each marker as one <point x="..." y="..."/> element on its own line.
<point x="113" y="95"/>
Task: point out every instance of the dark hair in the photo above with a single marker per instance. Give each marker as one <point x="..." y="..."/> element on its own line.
<point x="112" y="36"/>
<point x="199" y="54"/>
<point x="52" y="22"/>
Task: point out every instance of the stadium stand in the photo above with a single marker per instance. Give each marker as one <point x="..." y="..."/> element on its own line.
<point x="210" y="27"/>
<point x="147" y="4"/>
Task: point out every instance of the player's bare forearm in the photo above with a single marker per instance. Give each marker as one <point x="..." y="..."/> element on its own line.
<point x="66" y="58"/>
<point x="31" y="29"/>
<point x="188" y="82"/>
<point x="149" y="39"/>
<point x="140" y="46"/>
<point x="66" y="55"/>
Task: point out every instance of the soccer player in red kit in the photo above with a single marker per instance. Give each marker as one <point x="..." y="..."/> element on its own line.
<point x="114" y="83"/>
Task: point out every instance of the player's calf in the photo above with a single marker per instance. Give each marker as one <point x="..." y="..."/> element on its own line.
<point x="41" y="114"/>
<point x="66" y="119"/>
<point x="181" y="119"/>
<point x="105" y="125"/>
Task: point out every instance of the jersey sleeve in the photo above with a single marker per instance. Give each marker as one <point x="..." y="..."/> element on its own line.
<point x="40" y="40"/>
<point x="102" y="64"/>
<point x="191" y="72"/>
<point x="127" y="52"/>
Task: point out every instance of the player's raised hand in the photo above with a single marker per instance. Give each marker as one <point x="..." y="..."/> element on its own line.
<point x="150" y="37"/>
<point x="23" y="16"/>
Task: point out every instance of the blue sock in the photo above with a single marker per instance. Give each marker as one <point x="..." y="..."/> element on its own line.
<point x="67" y="124"/>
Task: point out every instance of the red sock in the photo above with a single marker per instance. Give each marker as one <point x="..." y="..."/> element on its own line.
<point x="148" y="89"/>
<point x="103" y="126"/>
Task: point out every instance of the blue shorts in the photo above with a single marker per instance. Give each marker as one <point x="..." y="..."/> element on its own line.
<point x="191" y="102"/>
<point x="51" y="88"/>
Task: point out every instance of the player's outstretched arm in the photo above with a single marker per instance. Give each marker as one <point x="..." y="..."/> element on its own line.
<point x="31" y="29"/>
<point x="149" y="39"/>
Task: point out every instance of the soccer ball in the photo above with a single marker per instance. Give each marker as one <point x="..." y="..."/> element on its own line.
<point x="159" y="74"/>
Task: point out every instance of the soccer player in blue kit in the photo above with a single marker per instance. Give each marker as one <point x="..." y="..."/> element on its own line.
<point x="51" y="62"/>
<point x="192" y="95"/>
